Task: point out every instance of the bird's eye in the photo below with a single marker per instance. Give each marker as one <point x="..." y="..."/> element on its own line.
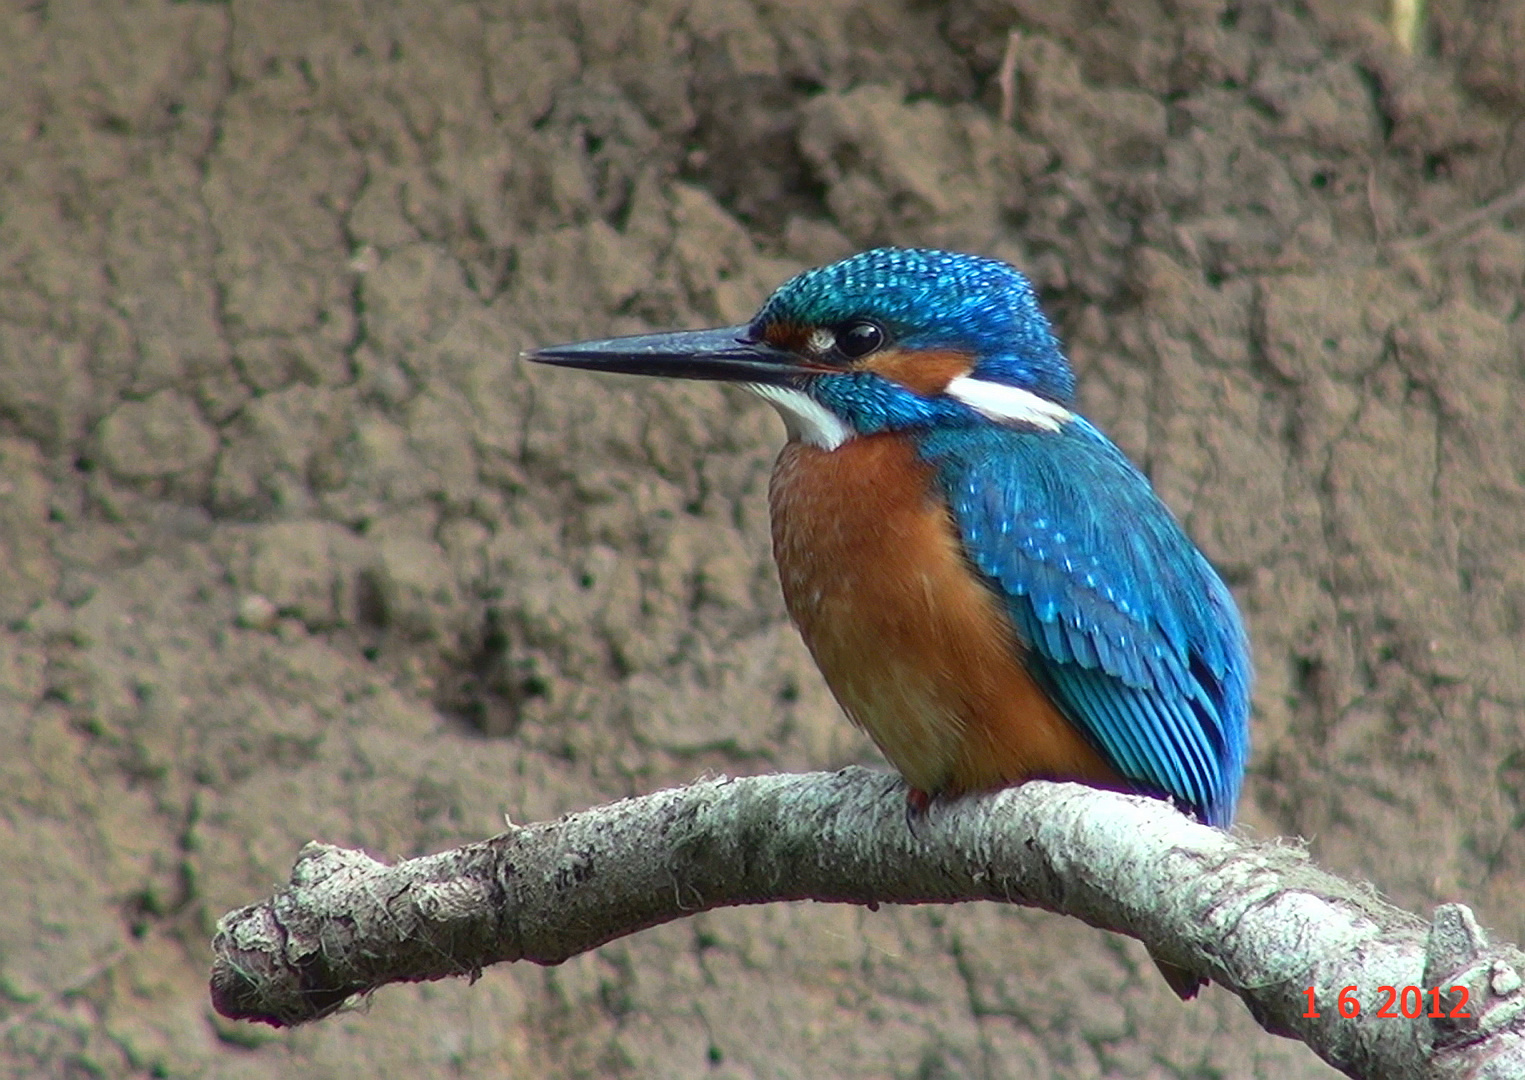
<point x="859" y="339"/>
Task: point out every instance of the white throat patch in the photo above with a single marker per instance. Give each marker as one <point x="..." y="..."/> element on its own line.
<point x="1009" y="404"/>
<point x="807" y="420"/>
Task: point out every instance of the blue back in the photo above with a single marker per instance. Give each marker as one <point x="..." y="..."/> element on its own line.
<point x="1129" y="629"/>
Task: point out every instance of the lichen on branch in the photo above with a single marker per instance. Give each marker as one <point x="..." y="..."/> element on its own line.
<point x="1257" y="918"/>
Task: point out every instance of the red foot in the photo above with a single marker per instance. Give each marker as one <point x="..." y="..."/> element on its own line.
<point x="916" y="802"/>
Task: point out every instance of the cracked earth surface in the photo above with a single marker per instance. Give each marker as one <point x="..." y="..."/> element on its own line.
<point x="293" y="547"/>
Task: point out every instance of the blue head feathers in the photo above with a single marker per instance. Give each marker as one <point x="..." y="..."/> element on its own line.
<point x="935" y="300"/>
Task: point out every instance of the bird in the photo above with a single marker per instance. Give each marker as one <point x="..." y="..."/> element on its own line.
<point x="989" y="586"/>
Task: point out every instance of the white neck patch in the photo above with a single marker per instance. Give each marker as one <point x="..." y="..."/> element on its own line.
<point x="807" y="420"/>
<point x="1009" y="404"/>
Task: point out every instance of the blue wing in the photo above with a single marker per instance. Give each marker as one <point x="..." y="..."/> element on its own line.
<point x="1128" y="628"/>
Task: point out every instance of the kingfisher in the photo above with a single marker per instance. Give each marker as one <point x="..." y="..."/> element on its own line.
<point x="990" y="588"/>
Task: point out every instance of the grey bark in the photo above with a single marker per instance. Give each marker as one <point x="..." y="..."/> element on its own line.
<point x="1257" y="918"/>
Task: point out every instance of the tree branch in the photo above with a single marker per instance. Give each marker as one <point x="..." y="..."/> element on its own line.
<point x="1257" y="918"/>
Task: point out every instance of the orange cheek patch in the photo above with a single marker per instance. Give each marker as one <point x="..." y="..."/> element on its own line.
<point x="924" y="373"/>
<point x="790" y="336"/>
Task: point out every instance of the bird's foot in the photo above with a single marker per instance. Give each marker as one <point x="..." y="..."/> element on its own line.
<point x="1186" y="984"/>
<point x="917" y="803"/>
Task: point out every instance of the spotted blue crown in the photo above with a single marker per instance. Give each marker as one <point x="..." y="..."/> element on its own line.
<point x="935" y="300"/>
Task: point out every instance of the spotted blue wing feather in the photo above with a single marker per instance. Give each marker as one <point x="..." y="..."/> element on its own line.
<point x="1126" y="625"/>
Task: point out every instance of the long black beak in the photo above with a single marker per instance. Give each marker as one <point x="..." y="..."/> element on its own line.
<point x="729" y="354"/>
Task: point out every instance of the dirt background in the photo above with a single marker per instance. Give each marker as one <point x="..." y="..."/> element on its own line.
<point x="292" y="546"/>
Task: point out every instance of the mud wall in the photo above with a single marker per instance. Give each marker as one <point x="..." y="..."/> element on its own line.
<point x="292" y="546"/>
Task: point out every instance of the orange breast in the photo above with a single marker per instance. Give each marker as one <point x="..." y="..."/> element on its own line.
<point x="915" y="648"/>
